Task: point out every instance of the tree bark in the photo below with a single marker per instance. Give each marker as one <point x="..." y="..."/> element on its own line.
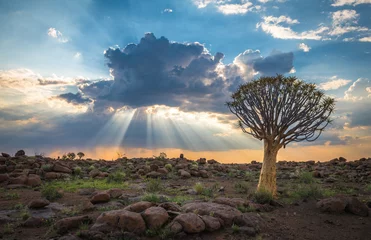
<point x="267" y="180"/>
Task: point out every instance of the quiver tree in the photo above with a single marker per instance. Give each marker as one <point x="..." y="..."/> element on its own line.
<point x="80" y="155"/>
<point x="280" y="110"/>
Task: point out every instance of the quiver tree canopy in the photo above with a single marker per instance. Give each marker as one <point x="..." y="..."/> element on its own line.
<point x="280" y="110"/>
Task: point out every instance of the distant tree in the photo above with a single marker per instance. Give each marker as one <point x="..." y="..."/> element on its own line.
<point x="280" y="110"/>
<point x="71" y="155"/>
<point x="80" y="154"/>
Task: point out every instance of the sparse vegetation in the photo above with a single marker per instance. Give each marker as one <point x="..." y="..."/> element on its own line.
<point x="263" y="196"/>
<point x="11" y="196"/>
<point x="242" y="187"/>
<point x="199" y="188"/>
<point x="306" y="177"/>
<point x="8" y="228"/>
<point x="75" y="184"/>
<point x="235" y="228"/>
<point x="154" y="185"/>
<point x="47" y="167"/>
<point x="77" y="171"/>
<point x="116" y="177"/>
<point x="25" y="214"/>
<point x="51" y="192"/>
<point x="169" y="167"/>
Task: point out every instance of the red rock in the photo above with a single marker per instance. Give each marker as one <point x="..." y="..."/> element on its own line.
<point x="190" y="222"/>
<point x="139" y="206"/>
<point x="38" y="203"/>
<point x="100" y="197"/>
<point x="155" y="217"/>
<point x="18" y="180"/>
<point x="4" y="178"/>
<point x="33" y="180"/>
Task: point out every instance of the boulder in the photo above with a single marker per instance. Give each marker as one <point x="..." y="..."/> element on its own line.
<point x="33" y="222"/>
<point x="204" y="173"/>
<point x="100" y="197"/>
<point x="38" y="203"/>
<point x="332" y="205"/>
<point x="20" y="153"/>
<point x="33" y="180"/>
<point x="5" y="155"/>
<point x="153" y="174"/>
<point x="60" y="168"/>
<point x="4" y="178"/>
<point x="18" y="180"/>
<point x="163" y="171"/>
<point x="357" y="207"/>
<point x="233" y="202"/>
<point x="170" y="206"/>
<point x="120" y="220"/>
<point x="139" y="207"/>
<point x="201" y="161"/>
<point x="211" y="223"/>
<point x="190" y="222"/>
<point x="224" y="212"/>
<point x="52" y="175"/>
<point x="184" y="174"/>
<point x="155" y="217"/>
<point x="66" y="224"/>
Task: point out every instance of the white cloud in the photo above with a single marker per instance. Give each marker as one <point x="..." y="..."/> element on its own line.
<point x="345" y="21"/>
<point x="204" y="3"/>
<point x="54" y="33"/>
<point x="167" y="10"/>
<point x="338" y="3"/>
<point x="344" y="16"/>
<point x="293" y="70"/>
<point x="77" y="55"/>
<point x="348" y="39"/>
<point x="359" y="90"/>
<point x="334" y="83"/>
<point x="365" y="39"/>
<point x="229" y="9"/>
<point x="304" y="47"/>
<point x="271" y="25"/>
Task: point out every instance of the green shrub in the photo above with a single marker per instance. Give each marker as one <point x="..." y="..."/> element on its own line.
<point x="77" y="171"/>
<point x="50" y="192"/>
<point x="8" y="228"/>
<point x="242" y="187"/>
<point x="91" y="168"/>
<point x="306" y="177"/>
<point x="249" y="176"/>
<point x="11" y="196"/>
<point x="199" y="188"/>
<point x="262" y="196"/>
<point x="154" y="185"/>
<point x="152" y="197"/>
<point x="118" y="177"/>
<point x="25" y="214"/>
<point x="169" y="167"/>
<point x="310" y="191"/>
<point x="47" y="167"/>
<point x="235" y="228"/>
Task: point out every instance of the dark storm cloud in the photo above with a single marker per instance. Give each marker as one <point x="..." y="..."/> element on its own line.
<point x="157" y="71"/>
<point x="74" y="98"/>
<point x="277" y="63"/>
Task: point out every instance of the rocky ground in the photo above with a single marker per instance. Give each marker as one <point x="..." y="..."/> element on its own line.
<point x="160" y="198"/>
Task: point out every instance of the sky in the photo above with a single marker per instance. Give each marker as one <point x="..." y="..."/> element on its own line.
<point x="110" y="77"/>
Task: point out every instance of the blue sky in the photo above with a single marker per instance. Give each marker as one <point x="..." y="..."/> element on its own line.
<point x="69" y="46"/>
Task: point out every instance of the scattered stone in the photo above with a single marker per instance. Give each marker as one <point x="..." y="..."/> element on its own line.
<point x="5" y="155"/>
<point x="120" y="220"/>
<point x="139" y="206"/>
<point x="66" y="224"/>
<point x="357" y="207"/>
<point x="33" y="180"/>
<point x="332" y="205"/>
<point x="155" y="217"/>
<point x="100" y="197"/>
<point x="60" y="168"/>
<point x="190" y="222"/>
<point x="170" y="206"/>
<point x="20" y="153"/>
<point x="211" y="223"/>
<point x="38" y="203"/>
<point x="184" y="174"/>
<point x="34" y="222"/>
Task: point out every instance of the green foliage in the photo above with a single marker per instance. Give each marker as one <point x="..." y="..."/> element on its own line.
<point x="162" y="233"/>
<point x="9" y="228"/>
<point x="51" y="192"/>
<point x="181" y="199"/>
<point x="368" y="188"/>
<point x="70" y="212"/>
<point x="154" y="185"/>
<point x="71" y="155"/>
<point x="25" y="214"/>
<point x="47" y="167"/>
<point x="80" y="155"/>
<point x="77" y="171"/>
<point x="84" y="226"/>
<point x="235" y="228"/>
<point x="169" y="167"/>
<point x="11" y="196"/>
<point x="18" y="206"/>
<point x="116" y="177"/>
<point x="262" y="196"/>
<point x="246" y="209"/>
<point x="242" y="187"/>
<point x="91" y="168"/>
<point x="306" y="177"/>
<point x="311" y="191"/>
<point x="152" y="197"/>
<point x="199" y="188"/>
<point x="249" y="176"/>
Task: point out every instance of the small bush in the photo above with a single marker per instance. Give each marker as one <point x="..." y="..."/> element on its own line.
<point x="152" y="197"/>
<point x="11" y="196"/>
<point x="50" y="192"/>
<point x="154" y="185"/>
<point x="242" y="187"/>
<point x="47" y="167"/>
<point x="8" y="228"/>
<point x="263" y="196"/>
<point x="246" y="209"/>
<point x="235" y="228"/>
<point x="249" y="176"/>
<point x="306" y="177"/>
<point x="199" y="188"/>
<point x="310" y="191"/>
<point x="18" y="206"/>
<point x="25" y="214"/>
<point x="91" y="168"/>
<point x="118" y="177"/>
<point x="77" y="171"/>
<point x="169" y="167"/>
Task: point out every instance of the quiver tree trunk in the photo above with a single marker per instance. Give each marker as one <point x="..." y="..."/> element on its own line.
<point x="267" y="180"/>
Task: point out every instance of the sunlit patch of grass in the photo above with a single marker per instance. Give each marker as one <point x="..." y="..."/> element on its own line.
<point x="181" y="199"/>
<point x="306" y="177"/>
<point x="154" y="185"/>
<point x="242" y="187"/>
<point x="74" y="185"/>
